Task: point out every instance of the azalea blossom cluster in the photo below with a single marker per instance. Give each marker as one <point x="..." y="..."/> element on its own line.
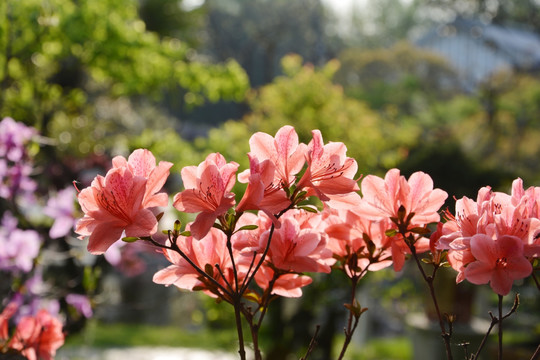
<point x="35" y="337"/>
<point x="273" y="235"/>
<point x="495" y="238"/>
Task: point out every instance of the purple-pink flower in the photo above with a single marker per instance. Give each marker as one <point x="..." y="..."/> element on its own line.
<point x="61" y="208"/>
<point x="18" y="248"/>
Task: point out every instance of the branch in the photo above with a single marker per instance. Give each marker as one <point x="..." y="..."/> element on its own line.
<point x="313" y="342"/>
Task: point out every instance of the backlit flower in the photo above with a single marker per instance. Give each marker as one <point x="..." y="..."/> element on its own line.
<point x="283" y="151"/>
<point x="143" y="163"/>
<point x="384" y="197"/>
<point x="498" y="261"/>
<point x="114" y="204"/>
<point x="329" y="174"/>
<point x="208" y="191"/>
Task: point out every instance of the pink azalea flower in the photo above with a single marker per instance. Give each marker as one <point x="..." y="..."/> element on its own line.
<point x="262" y="193"/>
<point x="6" y="314"/>
<point x="498" y="261"/>
<point x="38" y="337"/>
<point x="383" y="197"/>
<point x="205" y="253"/>
<point x="329" y="174"/>
<point x="346" y="237"/>
<point x="494" y="214"/>
<point x="208" y="191"/>
<point x="283" y="151"/>
<point x="295" y="249"/>
<point x="114" y="204"/>
<point x="143" y="163"/>
<point x="286" y="285"/>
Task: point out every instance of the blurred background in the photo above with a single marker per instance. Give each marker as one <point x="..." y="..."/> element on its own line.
<point x="449" y="87"/>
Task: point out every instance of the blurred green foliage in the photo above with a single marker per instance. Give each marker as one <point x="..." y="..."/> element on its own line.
<point x="401" y="76"/>
<point x="86" y="72"/>
<point x="306" y="98"/>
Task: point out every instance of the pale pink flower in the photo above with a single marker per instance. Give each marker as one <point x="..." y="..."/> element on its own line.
<point x="498" y="261"/>
<point x="142" y="163"/>
<point x="383" y="197"/>
<point x="329" y="174"/>
<point x="284" y="151"/>
<point x="113" y="205"/>
<point x="208" y="191"/>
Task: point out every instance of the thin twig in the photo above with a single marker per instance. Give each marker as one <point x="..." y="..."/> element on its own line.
<point x="312" y="343"/>
<point x="536" y="280"/>
<point x="429" y="280"/>
<point x="536" y="354"/>
<point x="500" y="328"/>
<point x="494" y="321"/>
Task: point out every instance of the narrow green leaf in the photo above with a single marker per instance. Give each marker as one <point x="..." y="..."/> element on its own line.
<point x="308" y="208"/>
<point x="248" y="227"/>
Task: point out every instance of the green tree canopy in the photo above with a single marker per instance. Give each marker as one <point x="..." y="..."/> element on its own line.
<point x="66" y="65"/>
<point x="306" y="98"/>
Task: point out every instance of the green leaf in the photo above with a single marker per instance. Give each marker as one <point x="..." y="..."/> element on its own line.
<point x="248" y="227"/>
<point x="185" y="233"/>
<point x="390" y="232"/>
<point x="130" y="239"/>
<point x="308" y="208"/>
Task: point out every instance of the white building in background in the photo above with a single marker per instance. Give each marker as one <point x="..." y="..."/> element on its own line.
<point x="478" y="50"/>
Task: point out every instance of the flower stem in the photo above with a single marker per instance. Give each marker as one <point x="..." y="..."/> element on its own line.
<point x="429" y="280"/>
<point x="351" y="325"/>
<point x="500" y="328"/>
<point x="237" y="308"/>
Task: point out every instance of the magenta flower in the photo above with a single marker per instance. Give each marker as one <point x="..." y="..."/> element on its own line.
<point x="208" y="191"/>
<point x="498" y="261"/>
